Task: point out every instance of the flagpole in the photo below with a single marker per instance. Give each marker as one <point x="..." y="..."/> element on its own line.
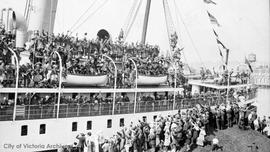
<point x="228" y="85"/>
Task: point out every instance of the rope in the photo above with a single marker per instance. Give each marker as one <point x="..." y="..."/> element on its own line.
<point x="90" y="16"/>
<point x="186" y="62"/>
<point x="51" y="1"/>
<point x="126" y="23"/>
<point x="169" y="23"/>
<point x="178" y="30"/>
<point x="133" y="19"/>
<point x="177" y="22"/>
<point x="77" y="21"/>
<point x="26" y="9"/>
<point x="189" y="35"/>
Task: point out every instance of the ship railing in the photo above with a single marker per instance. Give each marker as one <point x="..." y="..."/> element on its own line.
<point x="124" y="108"/>
<point x="36" y="112"/>
<point x="6" y="113"/>
<point x="153" y="106"/>
<point x="30" y="112"/>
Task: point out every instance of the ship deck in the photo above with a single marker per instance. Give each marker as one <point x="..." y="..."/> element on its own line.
<point x="87" y="90"/>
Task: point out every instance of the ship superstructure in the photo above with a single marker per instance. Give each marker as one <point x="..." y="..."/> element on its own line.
<point x="123" y="87"/>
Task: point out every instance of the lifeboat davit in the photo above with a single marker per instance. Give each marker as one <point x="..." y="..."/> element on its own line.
<point x="82" y="80"/>
<point x="151" y="80"/>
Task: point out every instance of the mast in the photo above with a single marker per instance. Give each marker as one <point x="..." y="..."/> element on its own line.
<point x="145" y="22"/>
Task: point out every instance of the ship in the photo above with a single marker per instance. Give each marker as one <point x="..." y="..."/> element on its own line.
<point x="47" y="127"/>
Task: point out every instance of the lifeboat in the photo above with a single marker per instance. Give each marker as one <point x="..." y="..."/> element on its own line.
<point x="82" y="80"/>
<point x="151" y="80"/>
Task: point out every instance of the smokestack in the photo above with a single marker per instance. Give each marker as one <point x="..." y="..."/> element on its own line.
<point x="9" y="11"/>
<point x="19" y="24"/>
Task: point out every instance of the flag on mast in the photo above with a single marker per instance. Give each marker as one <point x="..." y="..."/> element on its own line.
<point x="210" y="2"/>
<point x="219" y="42"/>
<point x="215" y="33"/>
<point x="248" y="63"/>
<point x="213" y="20"/>
<point x="220" y="53"/>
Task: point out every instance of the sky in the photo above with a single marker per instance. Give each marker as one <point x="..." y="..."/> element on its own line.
<point x="244" y="25"/>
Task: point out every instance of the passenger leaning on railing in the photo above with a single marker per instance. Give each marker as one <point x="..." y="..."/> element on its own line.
<point x="72" y="50"/>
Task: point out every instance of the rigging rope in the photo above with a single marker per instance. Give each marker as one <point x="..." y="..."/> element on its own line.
<point x="77" y="21"/>
<point x="169" y="22"/>
<point x="130" y="14"/>
<point x="51" y="12"/>
<point x="178" y="31"/>
<point x="26" y="9"/>
<point x="177" y="27"/>
<point x="133" y="19"/>
<point x="104" y="2"/>
<point x="189" y="35"/>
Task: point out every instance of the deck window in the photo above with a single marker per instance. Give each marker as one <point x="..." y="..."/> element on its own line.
<point x="42" y="129"/>
<point x="24" y="130"/>
<point x="109" y="123"/>
<point x="74" y="126"/>
<point x="89" y="125"/>
<point x="122" y="122"/>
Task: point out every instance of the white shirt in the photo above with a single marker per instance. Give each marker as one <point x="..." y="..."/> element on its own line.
<point x="250" y="116"/>
<point x="215" y="141"/>
<point x="256" y="122"/>
<point x="88" y="140"/>
<point x="267" y="130"/>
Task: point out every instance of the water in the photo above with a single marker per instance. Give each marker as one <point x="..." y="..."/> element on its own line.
<point x="263" y="100"/>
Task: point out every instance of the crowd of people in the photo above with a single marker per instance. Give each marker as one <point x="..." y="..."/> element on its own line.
<point x="182" y="132"/>
<point x="39" y="98"/>
<point x="79" y="56"/>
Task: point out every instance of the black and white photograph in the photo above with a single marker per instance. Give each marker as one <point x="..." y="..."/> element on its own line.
<point x="134" y="76"/>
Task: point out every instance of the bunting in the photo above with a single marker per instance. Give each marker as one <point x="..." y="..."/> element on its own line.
<point x="215" y="33"/>
<point x="210" y="2"/>
<point x="248" y="63"/>
<point x="220" y="53"/>
<point x="213" y="20"/>
<point x="219" y="42"/>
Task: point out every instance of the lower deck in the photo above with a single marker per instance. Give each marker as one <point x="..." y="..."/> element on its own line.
<point x="49" y="111"/>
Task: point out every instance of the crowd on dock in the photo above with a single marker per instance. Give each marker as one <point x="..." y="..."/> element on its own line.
<point x="182" y="131"/>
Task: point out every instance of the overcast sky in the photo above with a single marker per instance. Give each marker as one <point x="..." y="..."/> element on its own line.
<point x="244" y="24"/>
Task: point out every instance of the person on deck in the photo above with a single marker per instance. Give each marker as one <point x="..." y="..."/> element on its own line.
<point x="81" y="138"/>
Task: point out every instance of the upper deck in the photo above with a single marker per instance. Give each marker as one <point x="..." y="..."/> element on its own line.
<point x="211" y="84"/>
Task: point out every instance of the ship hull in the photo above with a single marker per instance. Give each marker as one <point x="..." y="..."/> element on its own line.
<point x="59" y="131"/>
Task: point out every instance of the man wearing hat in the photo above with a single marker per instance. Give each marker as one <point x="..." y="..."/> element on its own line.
<point x="81" y="138"/>
<point x="218" y="119"/>
<point x="89" y="143"/>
